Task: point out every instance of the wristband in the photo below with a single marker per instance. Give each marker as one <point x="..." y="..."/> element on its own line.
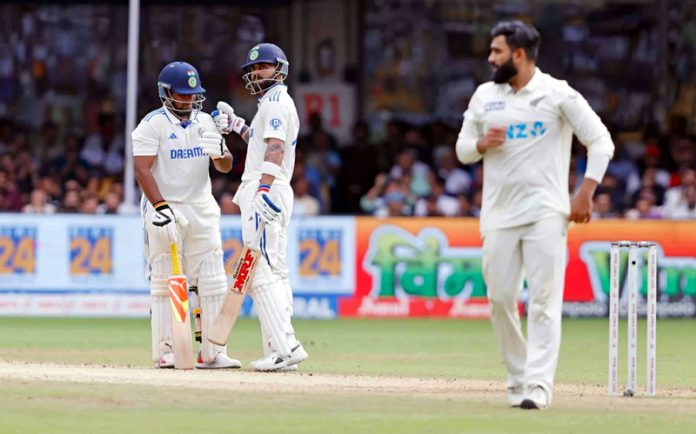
<point x="264" y="188"/>
<point x="162" y="204"/>
<point x="270" y="169"/>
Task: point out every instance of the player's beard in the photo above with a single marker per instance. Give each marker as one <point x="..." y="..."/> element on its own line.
<point x="505" y="72"/>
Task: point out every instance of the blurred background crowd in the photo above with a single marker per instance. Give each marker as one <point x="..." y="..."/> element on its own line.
<point x="62" y="98"/>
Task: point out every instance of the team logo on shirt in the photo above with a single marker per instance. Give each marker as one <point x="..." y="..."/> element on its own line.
<point x="525" y="131"/>
<point x="275" y="123"/>
<point x="494" y="106"/>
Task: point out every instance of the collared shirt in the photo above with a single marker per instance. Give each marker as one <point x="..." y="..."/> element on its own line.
<point x="181" y="167"/>
<point x="526" y="178"/>
<point x="276" y="118"/>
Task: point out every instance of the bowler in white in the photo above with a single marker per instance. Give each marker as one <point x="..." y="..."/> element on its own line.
<point x="521" y="125"/>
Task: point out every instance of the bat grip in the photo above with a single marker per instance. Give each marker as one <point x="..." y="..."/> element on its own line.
<point x="176" y="268"/>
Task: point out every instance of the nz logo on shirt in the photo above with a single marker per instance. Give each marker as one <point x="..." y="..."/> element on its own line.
<point x="276" y="123"/>
<point x="525" y="131"/>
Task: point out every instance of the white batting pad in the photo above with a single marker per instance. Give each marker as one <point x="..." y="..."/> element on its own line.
<point x="160" y="309"/>
<point x="212" y="287"/>
<point x="270" y="300"/>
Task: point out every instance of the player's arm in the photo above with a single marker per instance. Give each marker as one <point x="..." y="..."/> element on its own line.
<point x="224" y="164"/>
<point x="145" y="145"/>
<point x="592" y="133"/>
<point x="143" y="174"/>
<point x="471" y="142"/>
<point x="272" y="160"/>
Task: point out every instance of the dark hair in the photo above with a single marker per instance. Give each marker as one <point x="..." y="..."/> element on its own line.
<point x="519" y="35"/>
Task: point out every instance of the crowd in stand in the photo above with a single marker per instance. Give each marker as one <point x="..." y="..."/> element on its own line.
<point x="413" y="171"/>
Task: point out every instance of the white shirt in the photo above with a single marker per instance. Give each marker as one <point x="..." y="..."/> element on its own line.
<point x="181" y="167"/>
<point x="526" y="178"/>
<point x="275" y="118"/>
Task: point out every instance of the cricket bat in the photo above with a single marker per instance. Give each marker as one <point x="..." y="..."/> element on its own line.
<point x="182" y="341"/>
<point x="243" y="272"/>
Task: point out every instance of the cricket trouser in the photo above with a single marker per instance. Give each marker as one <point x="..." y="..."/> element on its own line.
<point x="537" y="252"/>
<point x="271" y="293"/>
<point x="202" y="259"/>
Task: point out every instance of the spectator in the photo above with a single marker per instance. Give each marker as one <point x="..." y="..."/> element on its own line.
<point x="675" y="194"/>
<point x="456" y="179"/>
<point x="111" y="204"/>
<point x="39" y="203"/>
<point x="304" y="204"/>
<point x="685" y="208"/>
<point x="228" y="207"/>
<point x="104" y="149"/>
<point x="71" y="203"/>
<point x="603" y="208"/>
<point x="419" y="172"/>
<point x="645" y="208"/>
<point x="90" y="204"/>
<point x="437" y="203"/>
<point x="10" y="198"/>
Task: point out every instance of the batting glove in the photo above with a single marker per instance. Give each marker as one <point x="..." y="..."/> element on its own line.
<point x="225" y="119"/>
<point x="212" y="144"/>
<point x="264" y="206"/>
<point x="166" y="221"/>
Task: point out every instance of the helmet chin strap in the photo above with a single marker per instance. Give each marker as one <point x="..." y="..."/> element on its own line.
<point x="181" y="114"/>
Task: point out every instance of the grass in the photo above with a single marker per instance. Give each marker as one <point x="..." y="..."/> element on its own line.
<point x="414" y="348"/>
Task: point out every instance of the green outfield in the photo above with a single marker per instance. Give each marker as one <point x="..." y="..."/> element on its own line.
<point x="445" y="351"/>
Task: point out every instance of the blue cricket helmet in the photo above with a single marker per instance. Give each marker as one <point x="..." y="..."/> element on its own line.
<point x="265" y="53"/>
<point x="182" y="78"/>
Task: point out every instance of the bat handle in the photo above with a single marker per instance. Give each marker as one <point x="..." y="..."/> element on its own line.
<point x="176" y="268"/>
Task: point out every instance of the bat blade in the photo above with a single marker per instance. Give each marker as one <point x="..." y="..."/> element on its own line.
<point x="182" y="341"/>
<point x="226" y="318"/>
<point x="181" y="324"/>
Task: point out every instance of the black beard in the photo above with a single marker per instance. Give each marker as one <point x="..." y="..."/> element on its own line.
<point x="505" y="72"/>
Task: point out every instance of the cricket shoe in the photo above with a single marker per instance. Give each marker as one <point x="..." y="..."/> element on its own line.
<point x="536" y="399"/>
<point x="166" y="361"/>
<point x="275" y="362"/>
<point x="222" y="361"/>
<point x="515" y="395"/>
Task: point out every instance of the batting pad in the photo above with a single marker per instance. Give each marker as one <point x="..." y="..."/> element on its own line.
<point x="270" y="300"/>
<point x="212" y="287"/>
<point x="160" y="309"/>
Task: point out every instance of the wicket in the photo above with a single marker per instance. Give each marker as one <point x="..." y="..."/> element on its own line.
<point x="631" y="286"/>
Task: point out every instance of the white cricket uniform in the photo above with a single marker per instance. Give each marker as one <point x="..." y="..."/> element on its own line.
<point x="181" y="172"/>
<point x="270" y="288"/>
<point x="276" y="118"/>
<point x="525" y="210"/>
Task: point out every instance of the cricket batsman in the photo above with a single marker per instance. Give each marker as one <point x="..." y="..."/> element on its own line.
<point x="270" y="160"/>
<point x="172" y="148"/>
<point x="521" y="125"/>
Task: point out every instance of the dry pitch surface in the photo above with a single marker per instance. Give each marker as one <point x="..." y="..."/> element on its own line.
<point x="679" y="401"/>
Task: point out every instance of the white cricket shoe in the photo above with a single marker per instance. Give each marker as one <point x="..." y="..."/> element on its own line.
<point x="515" y="395"/>
<point x="536" y="399"/>
<point x="274" y="362"/>
<point x="222" y="361"/>
<point x="166" y="361"/>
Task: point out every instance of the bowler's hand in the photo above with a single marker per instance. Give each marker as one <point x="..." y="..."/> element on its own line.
<point x="581" y="206"/>
<point x="494" y="138"/>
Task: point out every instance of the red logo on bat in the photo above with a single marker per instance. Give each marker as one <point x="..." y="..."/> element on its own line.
<point x="243" y="271"/>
